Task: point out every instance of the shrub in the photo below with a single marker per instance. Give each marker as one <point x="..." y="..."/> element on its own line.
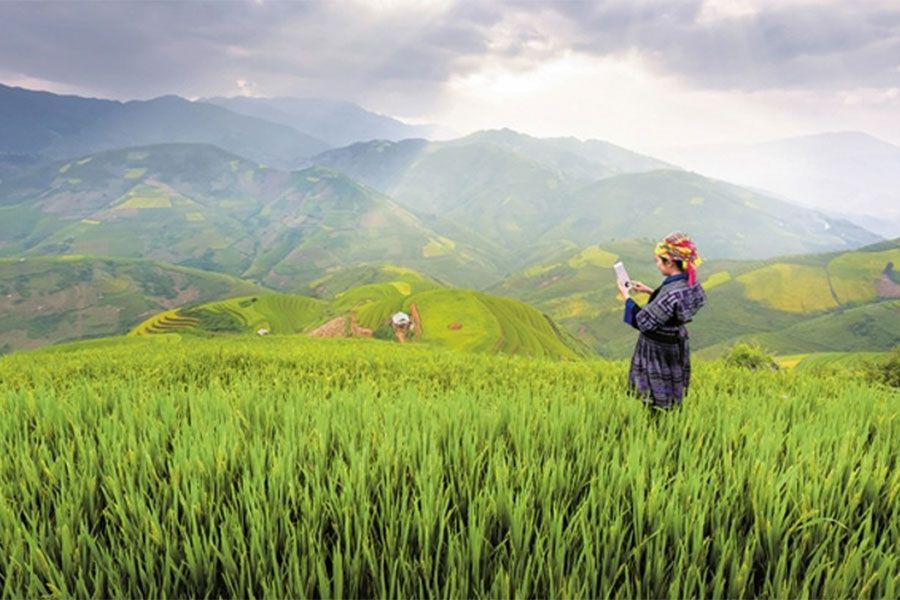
<point x="750" y="356"/>
<point x="383" y="332"/>
<point x="886" y="371"/>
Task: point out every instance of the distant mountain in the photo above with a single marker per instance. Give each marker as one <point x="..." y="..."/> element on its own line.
<point x="337" y="123"/>
<point x="725" y="220"/>
<point x="813" y="295"/>
<point x="492" y="198"/>
<point x="50" y="299"/>
<point x="525" y="204"/>
<point x="56" y="127"/>
<point x="200" y="206"/>
<point x="850" y="173"/>
<point x="383" y="164"/>
<point x="14" y="165"/>
<point x="570" y="157"/>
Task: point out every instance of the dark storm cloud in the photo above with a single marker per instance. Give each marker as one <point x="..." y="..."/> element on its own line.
<point x="140" y="49"/>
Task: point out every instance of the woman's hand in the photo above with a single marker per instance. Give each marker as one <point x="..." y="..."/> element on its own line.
<point x="623" y="289"/>
<point x="640" y="287"/>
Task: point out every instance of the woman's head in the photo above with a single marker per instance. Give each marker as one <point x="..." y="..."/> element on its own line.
<point x="668" y="266"/>
<point x="678" y="254"/>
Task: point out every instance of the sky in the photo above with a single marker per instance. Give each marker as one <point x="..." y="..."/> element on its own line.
<point x="641" y="73"/>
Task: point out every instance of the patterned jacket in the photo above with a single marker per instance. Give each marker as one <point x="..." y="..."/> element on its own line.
<point x="671" y="306"/>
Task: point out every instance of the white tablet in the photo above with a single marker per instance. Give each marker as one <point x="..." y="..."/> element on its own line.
<point x="622" y="274"/>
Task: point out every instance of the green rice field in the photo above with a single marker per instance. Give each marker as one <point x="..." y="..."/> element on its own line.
<point x="180" y="466"/>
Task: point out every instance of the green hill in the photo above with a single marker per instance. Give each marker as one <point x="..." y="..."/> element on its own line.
<point x="277" y="313"/>
<point x="573" y="158"/>
<point x="199" y="206"/>
<point x="517" y="192"/>
<point x="464" y="320"/>
<point x="342" y="279"/>
<point x="814" y="302"/>
<point x="726" y="220"/>
<point x="475" y="321"/>
<point x="832" y="361"/>
<point x="875" y="326"/>
<point x="495" y="198"/>
<point x="49" y="299"/>
<point x="383" y="164"/>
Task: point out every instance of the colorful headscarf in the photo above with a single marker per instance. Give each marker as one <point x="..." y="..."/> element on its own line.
<point x="678" y="246"/>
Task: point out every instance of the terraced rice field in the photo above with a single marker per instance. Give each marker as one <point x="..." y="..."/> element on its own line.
<point x="169" y="321"/>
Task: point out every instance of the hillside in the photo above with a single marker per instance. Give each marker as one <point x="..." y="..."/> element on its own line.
<point x="481" y="192"/>
<point x="337" y="123"/>
<point x="874" y="326"/>
<point x="829" y="298"/>
<point x="518" y="191"/>
<point x="462" y="320"/>
<point x="58" y="127"/>
<point x="49" y="299"/>
<point x="842" y="172"/>
<point x="14" y="165"/>
<point x="340" y="280"/>
<point x="726" y="220"/>
<point x="200" y="206"/>
<point x="572" y="158"/>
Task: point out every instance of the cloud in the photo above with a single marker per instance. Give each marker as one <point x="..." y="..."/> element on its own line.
<point x="140" y="49"/>
<point x="407" y="57"/>
<point x="747" y="45"/>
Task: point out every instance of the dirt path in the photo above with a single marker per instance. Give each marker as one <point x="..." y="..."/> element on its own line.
<point x="341" y="327"/>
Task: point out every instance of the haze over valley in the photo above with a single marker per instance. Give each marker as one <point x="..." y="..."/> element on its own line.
<point x="475" y="212"/>
<point x="120" y="201"/>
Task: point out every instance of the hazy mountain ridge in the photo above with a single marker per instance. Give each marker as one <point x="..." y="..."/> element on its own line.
<point x="58" y="127"/>
<point x="587" y="160"/>
<point x="725" y="220"/>
<point x="465" y="211"/>
<point x="200" y="206"/>
<point x="338" y="123"/>
<point x="517" y="201"/>
<point x="852" y="173"/>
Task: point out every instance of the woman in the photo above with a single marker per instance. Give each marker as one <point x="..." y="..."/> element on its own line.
<point x="661" y="365"/>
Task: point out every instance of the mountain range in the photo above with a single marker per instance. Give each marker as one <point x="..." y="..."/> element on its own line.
<point x="848" y="173"/>
<point x="337" y="123"/>
<point x="56" y="127"/>
<point x="488" y="190"/>
<point x="465" y="212"/>
<point x="239" y="194"/>
<point x="202" y="207"/>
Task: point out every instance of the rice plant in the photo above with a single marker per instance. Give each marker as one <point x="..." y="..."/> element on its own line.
<point x="285" y="467"/>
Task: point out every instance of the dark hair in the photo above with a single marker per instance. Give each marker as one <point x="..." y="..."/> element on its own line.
<point x="678" y="263"/>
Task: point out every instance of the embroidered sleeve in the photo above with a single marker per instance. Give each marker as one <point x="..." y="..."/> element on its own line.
<point x="656" y="313"/>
